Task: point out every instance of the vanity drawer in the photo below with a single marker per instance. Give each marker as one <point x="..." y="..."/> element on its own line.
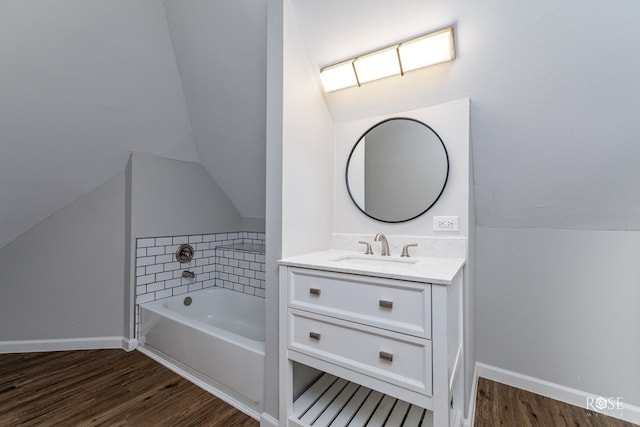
<point x="395" y="358"/>
<point x="395" y="305"/>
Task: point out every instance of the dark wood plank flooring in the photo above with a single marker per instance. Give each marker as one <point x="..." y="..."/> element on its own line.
<point x="116" y="388"/>
<point x="502" y="405"/>
<point x="104" y="388"/>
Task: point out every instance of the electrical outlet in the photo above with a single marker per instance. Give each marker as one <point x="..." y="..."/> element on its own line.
<point x="445" y="223"/>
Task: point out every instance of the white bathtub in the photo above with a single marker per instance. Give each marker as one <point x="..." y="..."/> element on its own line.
<point x="220" y="336"/>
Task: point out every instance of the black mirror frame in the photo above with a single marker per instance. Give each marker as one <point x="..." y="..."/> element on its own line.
<point x="444" y="184"/>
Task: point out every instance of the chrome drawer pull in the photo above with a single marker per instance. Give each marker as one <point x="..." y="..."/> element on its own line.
<point x="314" y="291"/>
<point x="386" y="304"/>
<point x="314" y="336"/>
<point x="386" y="356"/>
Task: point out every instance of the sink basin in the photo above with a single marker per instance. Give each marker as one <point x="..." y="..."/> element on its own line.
<point x="371" y="260"/>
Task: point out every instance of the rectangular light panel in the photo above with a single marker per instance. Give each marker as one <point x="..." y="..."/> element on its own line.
<point x="377" y="65"/>
<point x="338" y="76"/>
<point x="427" y="50"/>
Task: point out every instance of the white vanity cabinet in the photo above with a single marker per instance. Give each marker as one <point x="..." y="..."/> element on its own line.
<point x="390" y="348"/>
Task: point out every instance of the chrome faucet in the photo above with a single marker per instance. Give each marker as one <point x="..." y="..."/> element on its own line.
<point x="385" y="244"/>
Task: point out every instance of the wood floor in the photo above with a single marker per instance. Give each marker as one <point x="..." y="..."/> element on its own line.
<point x="104" y="388"/>
<point x="116" y="388"/>
<point x="501" y="405"/>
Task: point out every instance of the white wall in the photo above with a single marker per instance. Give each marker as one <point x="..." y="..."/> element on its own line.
<point x="220" y="48"/>
<point x="64" y="278"/>
<point x="451" y="122"/>
<point x="84" y="83"/>
<point x="273" y="205"/>
<point x="173" y="197"/>
<point x="562" y="306"/>
<point x="307" y="150"/>
<point x="554" y="95"/>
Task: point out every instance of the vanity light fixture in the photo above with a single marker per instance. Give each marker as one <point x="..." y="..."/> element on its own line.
<point x="420" y="52"/>
<point x="339" y="76"/>
<point x="377" y="65"/>
<point x="427" y="50"/>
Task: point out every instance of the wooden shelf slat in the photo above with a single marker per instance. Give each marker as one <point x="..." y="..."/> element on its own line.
<point x="343" y="418"/>
<point x="312" y="394"/>
<point x="399" y="412"/>
<point x="366" y="410"/>
<point x="336" y="406"/>
<point x="382" y="412"/>
<point x="414" y="417"/>
<point x="336" y="402"/>
<point x="323" y="402"/>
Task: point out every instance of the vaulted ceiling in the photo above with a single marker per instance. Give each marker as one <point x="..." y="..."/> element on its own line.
<point x="221" y="52"/>
<point x="82" y="84"/>
<point x="85" y="82"/>
<point x="553" y="88"/>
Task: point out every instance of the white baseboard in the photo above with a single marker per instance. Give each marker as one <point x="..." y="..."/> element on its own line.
<point x="28" y="346"/>
<point x="267" y="420"/>
<point x="129" y="344"/>
<point x="624" y="411"/>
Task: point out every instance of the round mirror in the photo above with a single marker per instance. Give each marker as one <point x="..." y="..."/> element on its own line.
<point x="397" y="170"/>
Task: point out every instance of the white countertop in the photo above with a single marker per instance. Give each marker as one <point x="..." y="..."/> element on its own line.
<point x="440" y="270"/>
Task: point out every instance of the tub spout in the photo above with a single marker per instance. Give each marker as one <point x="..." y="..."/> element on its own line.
<point x="188" y="274"/>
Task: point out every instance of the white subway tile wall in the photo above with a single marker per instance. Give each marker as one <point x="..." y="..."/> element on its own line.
<point x="230" y="260"/>
<point x="241" y="268"/>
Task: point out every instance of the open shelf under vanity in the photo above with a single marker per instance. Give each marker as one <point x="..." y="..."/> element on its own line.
<point x="333" y="401"/>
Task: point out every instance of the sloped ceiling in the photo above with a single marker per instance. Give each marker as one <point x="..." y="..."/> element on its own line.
<point x="82" y="84"/>
<point x="555" y="99"/>
<point x="553" y="87"/>
<point x="221" y="52"/>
